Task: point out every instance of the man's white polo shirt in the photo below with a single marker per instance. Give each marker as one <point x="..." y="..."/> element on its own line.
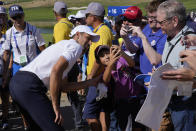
<point x="15" y="37"/>
<point x="173" y="57"/>
<point x="42" y="65"/>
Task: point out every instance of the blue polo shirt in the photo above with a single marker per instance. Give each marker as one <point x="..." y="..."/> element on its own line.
<point x="134" y="39"/>
<point x="157" y="41"/>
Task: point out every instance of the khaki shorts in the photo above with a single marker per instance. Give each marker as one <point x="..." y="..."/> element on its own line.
<point x="166" y="123"/>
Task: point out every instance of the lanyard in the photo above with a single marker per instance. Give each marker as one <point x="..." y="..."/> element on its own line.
<point x="98" y="28"/>
<point x="1" y="44"/>
<point x="183" y="34"/>
<point x="172" y="49"/>
<point x="27" y="40"/>
<point x="2" y="41"/>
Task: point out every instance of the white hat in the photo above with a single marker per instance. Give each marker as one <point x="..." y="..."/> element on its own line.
<point x="2" y="10"/>
<point x="80" y="14"/>
<point x="85" y="29"/>
<point x="71" y="17"/>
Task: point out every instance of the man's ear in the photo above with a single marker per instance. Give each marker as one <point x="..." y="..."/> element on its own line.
<point x="175" y="20"/>
<point x="77" y="34"/>
<point x="55" y="13"/>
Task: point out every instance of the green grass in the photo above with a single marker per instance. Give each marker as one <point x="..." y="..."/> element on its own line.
<point x="16" y="1"/>
<point x="42" y="14"/>
<point x="23" y="0"/>
<point x="80" y="3"/>
<point x="47" y="37"/>
<point x="45" y="14"/>
<point x="39" y="14"/>
<point x="189" y="4"/>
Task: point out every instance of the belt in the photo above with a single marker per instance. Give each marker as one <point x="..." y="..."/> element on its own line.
<point x="18" y="64"/>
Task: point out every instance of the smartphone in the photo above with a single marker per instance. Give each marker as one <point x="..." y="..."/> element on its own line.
<point x="128" y="29"/>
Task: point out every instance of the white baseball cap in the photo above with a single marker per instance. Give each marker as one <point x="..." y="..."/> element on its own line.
<point x="2" y="10"/>
<point x="71" y="17"/>
<point x="85" y="29"/>
<point x="80" y="14"/>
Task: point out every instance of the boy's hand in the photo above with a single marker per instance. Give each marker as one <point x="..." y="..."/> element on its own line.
<point x="115" y="54"/>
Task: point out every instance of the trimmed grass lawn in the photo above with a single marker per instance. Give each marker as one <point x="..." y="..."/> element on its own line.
<point x="45" y="14"/>
<point x="47" y="37"/>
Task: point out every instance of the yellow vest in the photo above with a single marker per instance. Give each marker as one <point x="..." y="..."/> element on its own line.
<point x="62" y="30"/>
<point x="106" y="38"/>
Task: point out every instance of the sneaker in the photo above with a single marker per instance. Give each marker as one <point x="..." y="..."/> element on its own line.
<point x="5" y="126"/>
<point x="26" y="128"/>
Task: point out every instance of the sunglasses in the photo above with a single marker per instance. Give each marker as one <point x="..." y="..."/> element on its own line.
<point x="79" y="19"/>
<point x="129" y="20"/>
<point x="17" y="17"/>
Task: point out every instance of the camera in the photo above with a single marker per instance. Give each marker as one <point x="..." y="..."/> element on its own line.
<point x="128" y="29"/>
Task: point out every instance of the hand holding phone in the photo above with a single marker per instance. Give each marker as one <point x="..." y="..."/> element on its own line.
<point x="129" y="30"/>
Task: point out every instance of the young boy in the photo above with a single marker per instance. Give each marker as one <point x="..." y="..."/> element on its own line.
<point x="119" y="75"/>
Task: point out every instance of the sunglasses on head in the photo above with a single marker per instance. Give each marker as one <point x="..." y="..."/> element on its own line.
<point x="17" y="17"/>
<point x="79" y="19"/>
<point x="129" y="20"/>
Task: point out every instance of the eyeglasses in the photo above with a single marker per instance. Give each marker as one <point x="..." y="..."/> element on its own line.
<point x="163" y="21"/>
<point x="17" y="17"/>
<point x="152" y="17"/>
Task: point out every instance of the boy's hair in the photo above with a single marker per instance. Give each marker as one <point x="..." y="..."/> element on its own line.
<point x="153" y="5"/>
<point x="99" y="50"/>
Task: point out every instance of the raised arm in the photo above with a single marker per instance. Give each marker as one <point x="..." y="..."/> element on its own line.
<point x="153" y="56"/>
<point x="115" y="54"/>
<point x="125" y="35"/>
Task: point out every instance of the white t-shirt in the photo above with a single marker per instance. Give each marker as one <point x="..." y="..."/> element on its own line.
<point x="13" y="36"/>
<point x="42" y="65"/>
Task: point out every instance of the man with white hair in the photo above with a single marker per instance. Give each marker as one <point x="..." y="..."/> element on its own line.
<point x="171" y="17"/>
<point x="49" y="71"/>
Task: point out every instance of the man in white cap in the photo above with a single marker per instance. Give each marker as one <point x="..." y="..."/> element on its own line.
<point x="63" y="28"/>
<point x="49" y="71"/>
<point x="80" y="17"/>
